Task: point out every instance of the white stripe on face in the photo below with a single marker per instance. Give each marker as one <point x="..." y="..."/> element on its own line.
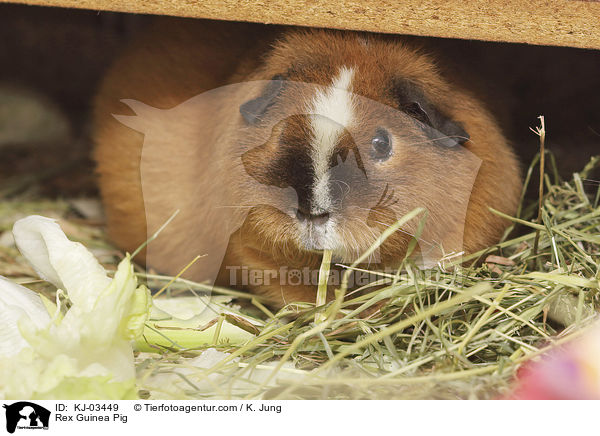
<point x="331" y="111"/>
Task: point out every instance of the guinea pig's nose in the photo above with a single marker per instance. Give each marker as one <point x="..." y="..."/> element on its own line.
<point x="317" y="219"/>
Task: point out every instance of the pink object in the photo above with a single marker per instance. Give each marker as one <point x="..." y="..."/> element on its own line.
<point x="571" y="372"/>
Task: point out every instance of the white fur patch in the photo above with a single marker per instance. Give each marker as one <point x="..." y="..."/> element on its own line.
<point x="331" y="111"/>
<point x="319" y="237"/>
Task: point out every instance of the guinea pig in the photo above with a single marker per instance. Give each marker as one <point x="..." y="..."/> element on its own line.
<point x="275" y="144"/>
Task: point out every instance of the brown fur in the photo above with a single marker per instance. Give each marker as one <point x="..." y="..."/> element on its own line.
<point x="204" y="156"/>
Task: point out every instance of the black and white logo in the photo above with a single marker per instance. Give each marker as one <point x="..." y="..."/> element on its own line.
<point x="26" y="415"/>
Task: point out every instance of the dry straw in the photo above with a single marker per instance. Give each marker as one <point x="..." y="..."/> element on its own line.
<point x="457" y="331"/>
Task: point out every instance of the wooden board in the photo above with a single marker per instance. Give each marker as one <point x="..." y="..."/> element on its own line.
<point x="574" y="23"/>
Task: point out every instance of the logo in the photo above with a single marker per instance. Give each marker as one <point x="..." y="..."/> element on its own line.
<point x="26" y="415"/>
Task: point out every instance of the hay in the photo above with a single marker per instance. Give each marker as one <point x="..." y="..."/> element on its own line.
<point x="457" y="331"/>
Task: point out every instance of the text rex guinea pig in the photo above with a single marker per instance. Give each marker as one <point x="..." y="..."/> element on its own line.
<point x="275" y="144"/>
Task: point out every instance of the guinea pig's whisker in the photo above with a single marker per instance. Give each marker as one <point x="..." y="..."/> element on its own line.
<point x="354" y="249"/>
<point x="441" y="138"/>
<point x="432" y="244"/>
<point x="344" y="183"/>
<point x="374" y="236"/>
<point x="355" y="245"/>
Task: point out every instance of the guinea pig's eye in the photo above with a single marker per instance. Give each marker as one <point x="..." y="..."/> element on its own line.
<point x="381" y="145"/>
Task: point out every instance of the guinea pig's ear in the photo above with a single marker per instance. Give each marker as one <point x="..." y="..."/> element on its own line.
<point x="254" y="109"/>
<point x="440" y="128"/>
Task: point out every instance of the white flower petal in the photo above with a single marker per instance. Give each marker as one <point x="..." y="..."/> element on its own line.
<point x="66" y="264"/>
<point x="75" y="355"/>
<point x="18" y="303"/>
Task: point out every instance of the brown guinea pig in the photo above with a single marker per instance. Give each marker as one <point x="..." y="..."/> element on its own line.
<point x="275" y="144"/>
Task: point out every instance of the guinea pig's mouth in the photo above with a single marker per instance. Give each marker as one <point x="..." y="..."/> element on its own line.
<point x="318" y="237"/>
